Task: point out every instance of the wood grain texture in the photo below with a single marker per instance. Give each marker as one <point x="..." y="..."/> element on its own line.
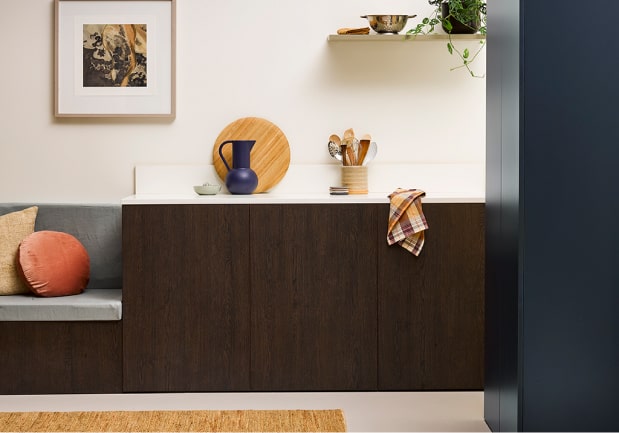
<point x="314" y="318"/>
<point x="60" y="357"/>
<point x="270" y="156"/>
<point x="431" y="307"/>
<point x="186" y="298"/>
<point x="300" y="298"/>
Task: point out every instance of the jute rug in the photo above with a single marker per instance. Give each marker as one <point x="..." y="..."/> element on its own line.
<point x="176" y="421"/>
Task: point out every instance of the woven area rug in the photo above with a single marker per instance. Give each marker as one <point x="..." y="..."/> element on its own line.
<point x="176" y="421"/>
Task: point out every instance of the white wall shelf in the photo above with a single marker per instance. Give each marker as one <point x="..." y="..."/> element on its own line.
<point x="402" y="38"/>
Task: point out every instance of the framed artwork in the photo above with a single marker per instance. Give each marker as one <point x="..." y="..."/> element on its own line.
<point x="115" y="58"/>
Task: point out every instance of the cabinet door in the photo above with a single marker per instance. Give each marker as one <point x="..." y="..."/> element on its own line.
<point x="431" y="307"/>
<point x="185" y="297"/>
<point x="313" y="324"/>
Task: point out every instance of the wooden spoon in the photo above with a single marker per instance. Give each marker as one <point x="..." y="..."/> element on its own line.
<point x="335" y="149"/>
<point x="349" y="136"/>
<point x="364" y="145"/>
<point x="350" y="152"/>
<point x="349" y="141"/>
<point x="344" y="154"/>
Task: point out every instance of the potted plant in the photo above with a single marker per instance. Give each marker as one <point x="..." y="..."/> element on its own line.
<point x="456" y="17"/>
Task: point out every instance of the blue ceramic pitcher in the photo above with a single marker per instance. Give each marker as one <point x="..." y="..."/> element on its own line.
<point x="241" y="179"/>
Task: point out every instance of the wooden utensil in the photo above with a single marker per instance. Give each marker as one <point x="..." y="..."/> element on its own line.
<point x="349" y="135"/>
<point x="352" y="159"/>
<point x="349" y="141"/>
<point x="353" y="31"/>
<point x="344" y="148"/>
<point x="335" y="149"/>
<point x="364" y="145"/>
<point x="336" y="139"/>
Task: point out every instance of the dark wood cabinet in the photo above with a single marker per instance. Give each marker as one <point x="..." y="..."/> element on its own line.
<point x="61" y="357"/>
<point x="431" y="307"/>
<point x="314" y="318"/>
<point x="186" y="298"/>
<point x="300" y="297"/>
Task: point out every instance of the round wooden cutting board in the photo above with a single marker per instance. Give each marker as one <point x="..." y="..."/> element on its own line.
<point x="270" y="156"/>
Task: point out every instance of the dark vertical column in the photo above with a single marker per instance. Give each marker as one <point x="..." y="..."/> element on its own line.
<point x="502" y="215"/>
<point x="570" y="325"/>
<point x="553" y="249"/>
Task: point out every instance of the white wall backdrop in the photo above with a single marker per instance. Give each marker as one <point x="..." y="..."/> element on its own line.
<point x="237" y="58"/>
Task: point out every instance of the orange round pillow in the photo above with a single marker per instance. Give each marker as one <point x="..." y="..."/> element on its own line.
<point x="53" y="263"/>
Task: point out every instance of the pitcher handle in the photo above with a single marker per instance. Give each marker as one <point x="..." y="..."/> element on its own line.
<point x="221" y="155"/>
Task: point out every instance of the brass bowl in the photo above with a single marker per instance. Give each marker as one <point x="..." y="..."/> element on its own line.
<point x="387" y="23"/>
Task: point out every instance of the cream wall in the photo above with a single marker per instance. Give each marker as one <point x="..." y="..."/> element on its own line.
<point x="237" y="58"/>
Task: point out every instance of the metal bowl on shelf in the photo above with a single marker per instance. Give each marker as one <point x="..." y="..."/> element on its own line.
<point x="387" y="23"/>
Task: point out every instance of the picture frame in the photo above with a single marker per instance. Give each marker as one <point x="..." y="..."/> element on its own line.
<point x="115" y="58"/>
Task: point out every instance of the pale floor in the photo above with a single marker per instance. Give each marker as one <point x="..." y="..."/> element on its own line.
<point x="364" y="411"/>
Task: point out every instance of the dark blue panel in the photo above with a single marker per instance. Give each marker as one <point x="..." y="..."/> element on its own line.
<point x="553" y="243"/>
<point x="570" y="353"/>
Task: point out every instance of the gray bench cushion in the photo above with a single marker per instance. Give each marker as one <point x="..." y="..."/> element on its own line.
<point x="98" y="228"/>
<point x="93" y="304"/>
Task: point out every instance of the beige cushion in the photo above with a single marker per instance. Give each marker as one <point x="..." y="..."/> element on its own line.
<point x="14" y="227"/>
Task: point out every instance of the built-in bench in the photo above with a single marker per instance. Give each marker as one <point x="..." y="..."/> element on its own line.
<point x="93" y="304"/>
<point x="98" y="228"/>
<point x="68" y="344"/>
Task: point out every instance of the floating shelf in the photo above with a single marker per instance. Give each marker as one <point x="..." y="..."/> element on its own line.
<point x="402" y="38"/>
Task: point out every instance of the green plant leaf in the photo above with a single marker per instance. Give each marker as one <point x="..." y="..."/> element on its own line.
<point x="464" y="11"/>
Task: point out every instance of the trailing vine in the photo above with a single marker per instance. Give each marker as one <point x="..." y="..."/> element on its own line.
<point x="469" y="13"/>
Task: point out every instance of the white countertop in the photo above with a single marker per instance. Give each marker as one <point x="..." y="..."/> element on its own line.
<point x="307" y="184"/>
<point x="289" y="198"/>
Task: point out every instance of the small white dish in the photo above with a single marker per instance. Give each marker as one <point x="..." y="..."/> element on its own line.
<point x="207" y="189"/>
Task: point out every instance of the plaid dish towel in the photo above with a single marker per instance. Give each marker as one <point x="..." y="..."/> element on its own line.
<point x="406" y="220"/>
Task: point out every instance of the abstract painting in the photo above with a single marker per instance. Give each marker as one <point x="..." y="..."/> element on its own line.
<point x="115" y="55"/>
<point x="115" y="58"/>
